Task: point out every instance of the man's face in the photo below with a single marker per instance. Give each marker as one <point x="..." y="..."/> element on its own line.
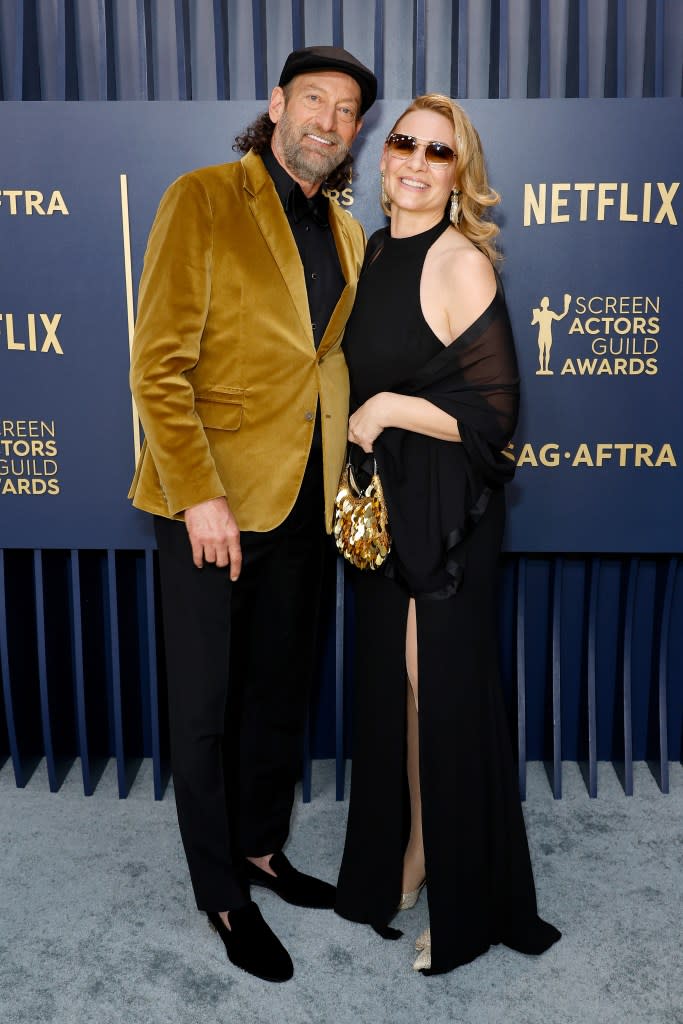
<point x="316" y="120"/>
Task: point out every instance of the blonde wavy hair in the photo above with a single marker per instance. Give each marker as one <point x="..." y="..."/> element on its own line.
<point x="476" y="195"/>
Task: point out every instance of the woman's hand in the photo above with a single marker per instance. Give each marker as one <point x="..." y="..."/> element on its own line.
<point x="368" y="422"/>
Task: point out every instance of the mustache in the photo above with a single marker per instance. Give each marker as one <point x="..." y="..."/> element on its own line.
<point x="312" y="128"/>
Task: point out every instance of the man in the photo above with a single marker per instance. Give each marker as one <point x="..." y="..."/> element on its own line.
<point x="241" y="385"/>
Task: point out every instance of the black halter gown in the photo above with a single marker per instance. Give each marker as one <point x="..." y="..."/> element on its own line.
<point x="480" y="884"/>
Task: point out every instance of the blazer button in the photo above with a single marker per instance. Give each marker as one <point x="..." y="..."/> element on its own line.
<point x="309" y="415"/>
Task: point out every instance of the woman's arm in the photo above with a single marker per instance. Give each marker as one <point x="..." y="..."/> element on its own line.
<point x="388" y="409"/>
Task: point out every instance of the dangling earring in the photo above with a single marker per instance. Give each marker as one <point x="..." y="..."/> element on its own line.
<point x="454" y="213"/>
<point x="386" y="201"/>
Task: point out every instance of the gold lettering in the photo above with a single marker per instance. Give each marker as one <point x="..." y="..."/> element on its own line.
<point x="603" y="199"/>
<point x="32" y="200"/>
<point x="666" y="209"/>
<point x="534" y="204"/>
<point x="666" y="456"/>
<point x="557" y="201"/>
<point x="527" y="457"/>
<point x="583" y="188"/>
<point x="57" y="204"/>
<point x="51" y="341"/>
<point x="623" y="204"/>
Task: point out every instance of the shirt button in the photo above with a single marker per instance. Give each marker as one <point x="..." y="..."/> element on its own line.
<point x="307" y="227"/>
<point x="314" y="326"/>
<point x="308" y="415"/>
<point x="314" y="276"/>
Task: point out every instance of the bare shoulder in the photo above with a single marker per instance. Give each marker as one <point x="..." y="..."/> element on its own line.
<point x="466" y="280"/>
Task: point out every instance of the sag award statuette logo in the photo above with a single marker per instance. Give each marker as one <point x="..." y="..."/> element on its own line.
<point x="603" y="336"/>
<point x="543" y="316"/>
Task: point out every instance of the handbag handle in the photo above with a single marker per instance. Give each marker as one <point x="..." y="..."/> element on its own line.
<point x="352" y="479"/>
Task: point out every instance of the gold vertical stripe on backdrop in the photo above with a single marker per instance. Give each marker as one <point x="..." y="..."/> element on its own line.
<point x="128" y="270"/>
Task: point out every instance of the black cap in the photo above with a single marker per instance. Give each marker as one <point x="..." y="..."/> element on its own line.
<point x="332" y="58"/>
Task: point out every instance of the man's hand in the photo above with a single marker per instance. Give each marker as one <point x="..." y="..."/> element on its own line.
<point x="214" y="535"/>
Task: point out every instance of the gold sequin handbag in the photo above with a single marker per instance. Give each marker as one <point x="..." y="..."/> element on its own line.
<point x="361" y="528"/>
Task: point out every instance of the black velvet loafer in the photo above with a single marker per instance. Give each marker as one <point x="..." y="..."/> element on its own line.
<point x="293" y="886"/>
<point x="252" y="945"/>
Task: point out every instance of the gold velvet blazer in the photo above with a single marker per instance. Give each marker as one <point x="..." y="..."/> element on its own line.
<point x="224" y="368"/>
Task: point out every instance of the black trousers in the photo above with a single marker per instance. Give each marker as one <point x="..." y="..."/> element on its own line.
<point x="239" y="662"/>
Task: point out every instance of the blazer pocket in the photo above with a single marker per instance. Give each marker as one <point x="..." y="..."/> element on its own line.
<point x="220" y="408"/>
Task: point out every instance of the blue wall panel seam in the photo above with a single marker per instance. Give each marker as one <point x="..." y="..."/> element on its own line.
<point x="557" y="678"/>
<point x="115" y="667"/>
<point x="19" y="776"/>
<point x="39" y="597"/>
<point x="75" y="610"/>
<point x="628" y="673"/>
<point x="152" y="671"/>
<point x="591" y="679"/>
<point x="663" y="674"/>
<point x="503" y="49"/>
<point x="544" y="36"/>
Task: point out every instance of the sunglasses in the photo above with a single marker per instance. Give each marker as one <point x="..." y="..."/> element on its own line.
<point x="403" y="146"/>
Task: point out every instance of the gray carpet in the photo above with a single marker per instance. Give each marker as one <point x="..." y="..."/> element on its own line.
<point x="98" y="922"/>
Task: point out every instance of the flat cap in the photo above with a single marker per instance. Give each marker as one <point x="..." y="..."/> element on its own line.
<point x="332" y="58"/>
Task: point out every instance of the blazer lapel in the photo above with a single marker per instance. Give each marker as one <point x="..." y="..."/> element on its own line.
<point x="350" y="270"/>
<point x="272" y="222"/>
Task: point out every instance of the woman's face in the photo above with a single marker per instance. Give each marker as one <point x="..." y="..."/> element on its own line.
<point x="415" y="183"/>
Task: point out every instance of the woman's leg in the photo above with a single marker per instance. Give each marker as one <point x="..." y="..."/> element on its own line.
<point x="414" y="859"/>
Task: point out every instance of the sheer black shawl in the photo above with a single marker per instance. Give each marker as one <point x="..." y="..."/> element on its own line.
<point x="437" y="491"/>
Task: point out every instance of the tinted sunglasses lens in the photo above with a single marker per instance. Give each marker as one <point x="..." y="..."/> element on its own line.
<point x="404" y="146"/>
<point x="401" y="145"/>
<point x="437" y="153"/>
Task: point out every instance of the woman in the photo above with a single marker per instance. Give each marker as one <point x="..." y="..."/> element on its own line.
<point x="434" y="398"/>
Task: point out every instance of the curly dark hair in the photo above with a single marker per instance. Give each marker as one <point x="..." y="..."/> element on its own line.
<point x="258" y="134"/>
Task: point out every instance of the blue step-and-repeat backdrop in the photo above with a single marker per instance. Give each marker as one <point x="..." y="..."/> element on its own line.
<point x="591" y="234"/>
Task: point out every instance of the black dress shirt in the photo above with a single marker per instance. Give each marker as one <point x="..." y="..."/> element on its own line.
<point x="309" y="221"/>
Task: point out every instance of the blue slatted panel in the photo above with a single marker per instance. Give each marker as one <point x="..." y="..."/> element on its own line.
<point x="621" y="48"/>
<point x="16" y="90"/>
<point x="102" y="50"/>
<point x="504" y="49"/>
<point x="337" y="23"/>
<point x="258" y="15"/>
<point x="19" y="773"/>
<point x="379" y="47"/>
<point x="61" y="50"/>
<point x="521" y="674"/>
<point x="659" y="48"/>
<point x="340" y="762"/>
<point x="591" y="676"/>
<point x="42" y="671"/>
<point x="663" y="675"/>
<point x="221" y="29"/>
<point x="145" y="50"/>
<point x="629" y="631"/>
<point x="79" y="673"/>
<point x="557" y="679"/>
<point x="298" y="25"/>
<point x="150" y="605"/>
<point x="419" y="41"/>
<point x="115" y="672"/>
<point x="544" y="37"/>
<point x="583" y="49"/>
<point x="183" y="49"/>
<point x="463" y="48"/>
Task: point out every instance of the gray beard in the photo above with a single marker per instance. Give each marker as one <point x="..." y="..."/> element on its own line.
<point x="308" y="167"/>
